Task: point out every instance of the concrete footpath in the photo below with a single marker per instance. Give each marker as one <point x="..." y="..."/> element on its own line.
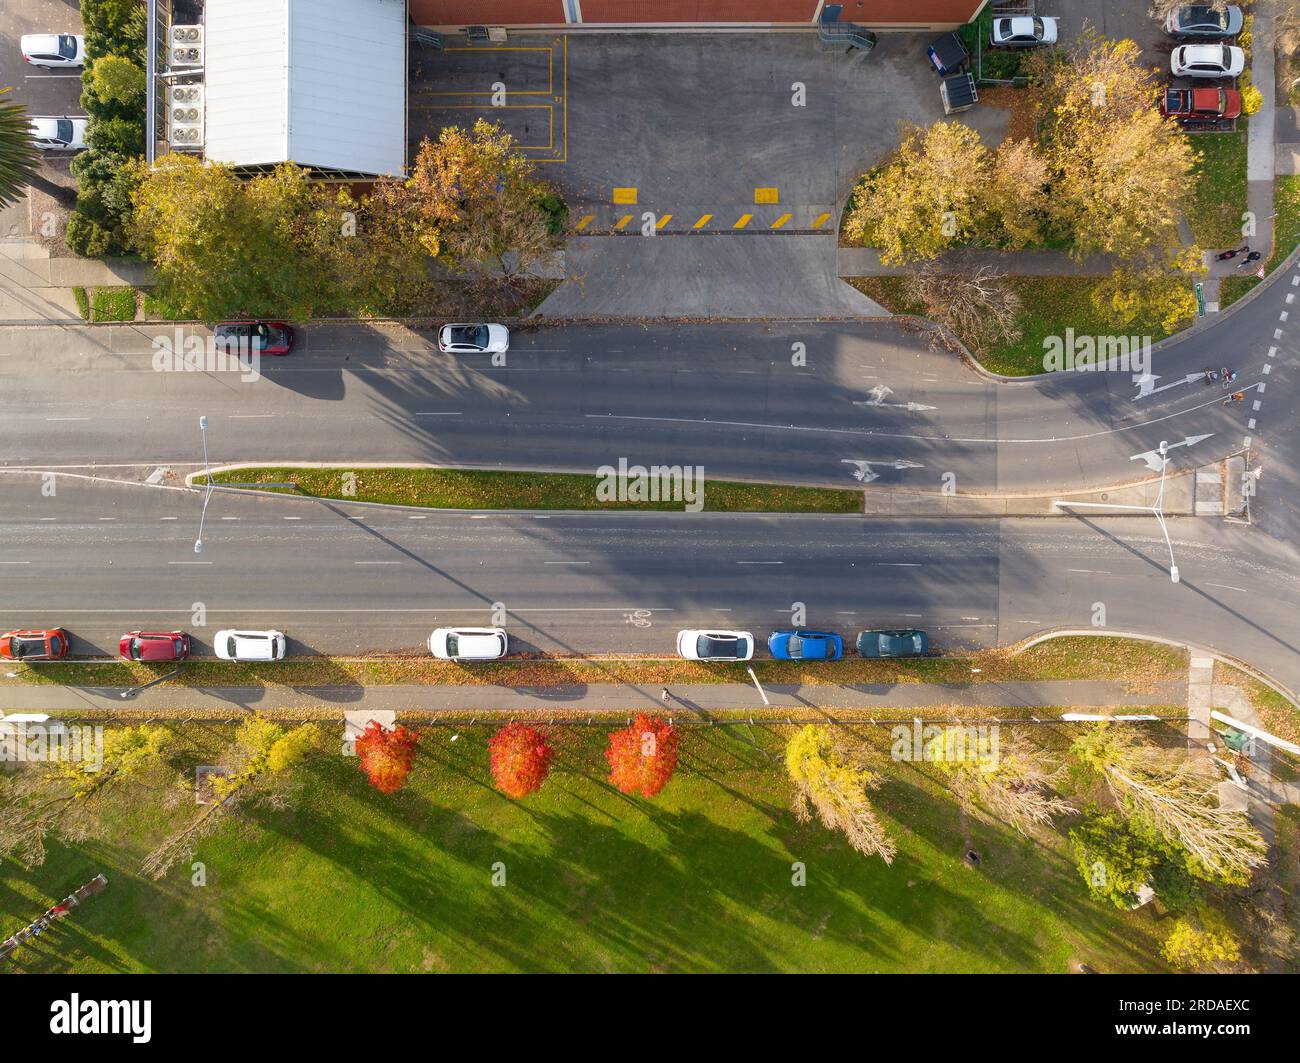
<point x="606" y="697"/>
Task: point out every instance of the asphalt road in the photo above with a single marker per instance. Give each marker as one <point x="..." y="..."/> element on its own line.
<point x="727" y="397"/>
<point x="102" y="559"/>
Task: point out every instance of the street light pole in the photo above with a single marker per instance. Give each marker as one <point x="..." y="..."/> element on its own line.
<point x="1157" y="510"/>
<point x="207" y="476"/>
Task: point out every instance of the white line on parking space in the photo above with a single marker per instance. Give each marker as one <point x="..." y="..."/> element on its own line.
<point x="15" y="562"/>
<point x="1228" y="587"/>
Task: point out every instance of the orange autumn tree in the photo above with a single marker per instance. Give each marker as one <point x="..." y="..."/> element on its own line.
<point x="520" y="758"/>
<point x="643" y="757"/>
<point x="386" y="755"/>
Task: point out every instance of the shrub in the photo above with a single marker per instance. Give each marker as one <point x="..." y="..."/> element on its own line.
<point x="83" y="301"/>
<point x="114" y="304"/>
<point x="1000" y="66"/>
<point x="114" y="27"/>
<point x="118" y="136"/>
<point x="116" y="79"/>
<point x="86" y="237"/>
<point x="386" y="756"/>
<point x="520" y="758"/>
<point x="1251" y="98"/>
<point x="1201" y="941"/>
<point x="550" y="203"/>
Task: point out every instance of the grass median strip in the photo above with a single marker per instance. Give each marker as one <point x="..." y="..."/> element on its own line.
<point x="1140" y="664"/>
<point x="491" y="489"/>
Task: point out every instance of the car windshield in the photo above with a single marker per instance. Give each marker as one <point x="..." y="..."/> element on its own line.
<point x="1038" y="26"/>
<point x="64" y="127"/>
<point x="715" y="647"/>
<point x="137" y="644"/>
<point x="453" y="645"/>
<point x="1204" y="18"/>
<point x="67" y="46"/>
<point x="29" y="647"/>
<point x="232" y="646"/>
<point x="178" y="645"/>
<point x="795" y="645"/>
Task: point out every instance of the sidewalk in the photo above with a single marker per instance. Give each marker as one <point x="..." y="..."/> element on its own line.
<point x="865" y="262"/>
<point x="610" y="697"/>
<point x="36" y="287"/>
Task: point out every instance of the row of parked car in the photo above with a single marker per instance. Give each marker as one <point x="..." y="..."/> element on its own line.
<point x="277" y="338"/>
<point x="472" y="644"/>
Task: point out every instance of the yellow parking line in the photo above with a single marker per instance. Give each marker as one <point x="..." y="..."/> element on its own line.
<point x="623" y="221"/>
<point x="766" y="196"/>
<point x="586" y="220"/>
<point x="625" y="195"/>
<point x="780" y="221"/>
<point x="745" y="219"/>
<point x="704" y="220"/>
<point x="822" y="219"/>
<point x="663" y="221"/>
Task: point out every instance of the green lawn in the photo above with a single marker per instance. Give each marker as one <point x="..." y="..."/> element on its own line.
<point x="1220" y="197"/>
<point x="113" y="304"/>
<point x="1286" y="235"/>
<point x="474" y="489"/>
<point x="1050" y="305"/>
<point x="697" y="879"/>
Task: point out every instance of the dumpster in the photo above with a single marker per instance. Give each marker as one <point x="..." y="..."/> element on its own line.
<point x="948" y="55"/>
<point x="958" y="93"/>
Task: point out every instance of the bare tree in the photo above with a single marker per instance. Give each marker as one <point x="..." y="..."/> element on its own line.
<point x="979" y="308"/>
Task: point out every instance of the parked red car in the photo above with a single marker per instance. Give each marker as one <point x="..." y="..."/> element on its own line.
<point x="48" y="645"/>
<point x="270" y="337"/>
<point x="154" y="646"/>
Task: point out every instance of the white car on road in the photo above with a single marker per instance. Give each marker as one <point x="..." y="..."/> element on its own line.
<point x="715" y="645"/>
<point x="473" y="339"/>
<point x="1207" y="61"/>
<point x="59" y="134"/>
<point x="232" y="645"/>
<point x="468" y="643"/>
<point x="53" y="50"/>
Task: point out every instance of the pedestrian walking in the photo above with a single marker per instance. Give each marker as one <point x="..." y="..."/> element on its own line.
<point x="664" y="695"/>
<point x="1236" y="396"/>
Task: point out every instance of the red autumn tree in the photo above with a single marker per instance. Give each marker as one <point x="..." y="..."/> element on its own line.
<point x="643" y="757"/>
<point x="520" y="757"/>
<point x="386" y="755"/>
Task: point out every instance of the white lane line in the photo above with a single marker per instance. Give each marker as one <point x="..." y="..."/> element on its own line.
<point x="422" y="517"/>
<point x="106" y="518"/>
<point x="896" y="564"/>
<point x="1247" y="441"/>
<point x="376" y="562"/>
<point x="1277" y="333"/>
<point x="914" y="616"/>
<point x="1272" y="352"/>
<point x="1284" y="315"/>
<point x="249" y="416"/>
<point x="56" y="518"/>
<point x="169" y="518"/>
<point x="67" y="418"/>
<point x="1256" y="405"/>
<point x="1260" y="387"/>
<point x="1268" y="368"/>
<point x="15" y="562"/>
<point x="434" y="413"/>
<point x="1228" y="587"/>
<point x="970" y="618"/>
<point x="229" y="518"/>
<point x="566" y="562"/>
<point x="291" y="518"/>
<point x="760" y="562"/>
<point x="1251" y="425"/>
<point x="1295" y="280"/>
<point x="1290" y="298"/>
<point x="189" y="562"/>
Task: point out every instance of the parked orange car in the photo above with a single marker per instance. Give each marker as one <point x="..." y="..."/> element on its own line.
<point x="47" y="645"/>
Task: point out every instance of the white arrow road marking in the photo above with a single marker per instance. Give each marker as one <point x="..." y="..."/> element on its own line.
<point x="1152" y="459"/>
<point x="865" y="473"/>
<point x="1147" y="383"/>
<point x="881" y="392"/>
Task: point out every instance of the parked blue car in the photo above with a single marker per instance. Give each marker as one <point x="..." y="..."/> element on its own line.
<point x="805" y="645"/>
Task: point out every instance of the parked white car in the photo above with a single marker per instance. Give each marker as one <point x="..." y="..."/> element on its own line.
<point x="59" y="134"/>
<point x="1204" y="22"/>
<point x="468" y="643"/>
<point x="715" y="645"/>
<point x="473" y="339"/>
<point x="232" y="645"/>
<point x="1023" y="32"/>
<point x="1207" y="61"/>
<point x="51" y="51"/>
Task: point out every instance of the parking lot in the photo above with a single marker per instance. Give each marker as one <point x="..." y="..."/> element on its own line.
<point x="42" y="92"/>
<point x="756" y="132"/>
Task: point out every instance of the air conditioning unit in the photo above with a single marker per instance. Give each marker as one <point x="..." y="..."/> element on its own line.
<point x="187" y="46"/>
<point x="185" y="116"/>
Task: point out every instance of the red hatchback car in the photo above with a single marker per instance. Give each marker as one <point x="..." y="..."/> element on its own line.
<point x="154" y="646"/>
<point x="270" y="337"/>
<point x="47" y="645"/>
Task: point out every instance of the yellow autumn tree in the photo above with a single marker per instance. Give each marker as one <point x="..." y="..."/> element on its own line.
<point x="832" y="781"/>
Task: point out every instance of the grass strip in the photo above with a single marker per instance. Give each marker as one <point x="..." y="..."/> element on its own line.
<point x="491" y="489"/>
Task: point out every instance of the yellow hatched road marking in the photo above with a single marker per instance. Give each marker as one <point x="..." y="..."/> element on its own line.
<point x="822" y="219"/>
<point x="623" y="221"/>
<point x="586" y="220"/>
<point x="766" y="196"/>
<point x="704" y="220"/>
<point x="663" y="221"/>
<point x="780" y="221"/>
<point x="744" y="220"/>
<point x="625" y="195"/>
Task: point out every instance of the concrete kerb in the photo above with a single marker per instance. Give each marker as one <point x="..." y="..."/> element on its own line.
<point x="1192" y="647"/>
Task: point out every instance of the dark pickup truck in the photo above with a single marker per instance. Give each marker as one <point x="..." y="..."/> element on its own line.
<point x="1205" y="108"/>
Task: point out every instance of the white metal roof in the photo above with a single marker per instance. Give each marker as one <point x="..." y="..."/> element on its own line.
<point x="316" y="82"/>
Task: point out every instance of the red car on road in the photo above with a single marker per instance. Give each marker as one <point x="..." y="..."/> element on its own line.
<point x="48" y="645"/>
<point x="154" y="646"/>
<point x="268" y="337"/>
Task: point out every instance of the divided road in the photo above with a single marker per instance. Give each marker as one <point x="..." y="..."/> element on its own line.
<point x="733" y="398"/>
<point x="101" y="559"/>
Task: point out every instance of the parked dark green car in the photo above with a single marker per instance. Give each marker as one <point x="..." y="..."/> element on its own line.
<point x="911" y="643"/>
